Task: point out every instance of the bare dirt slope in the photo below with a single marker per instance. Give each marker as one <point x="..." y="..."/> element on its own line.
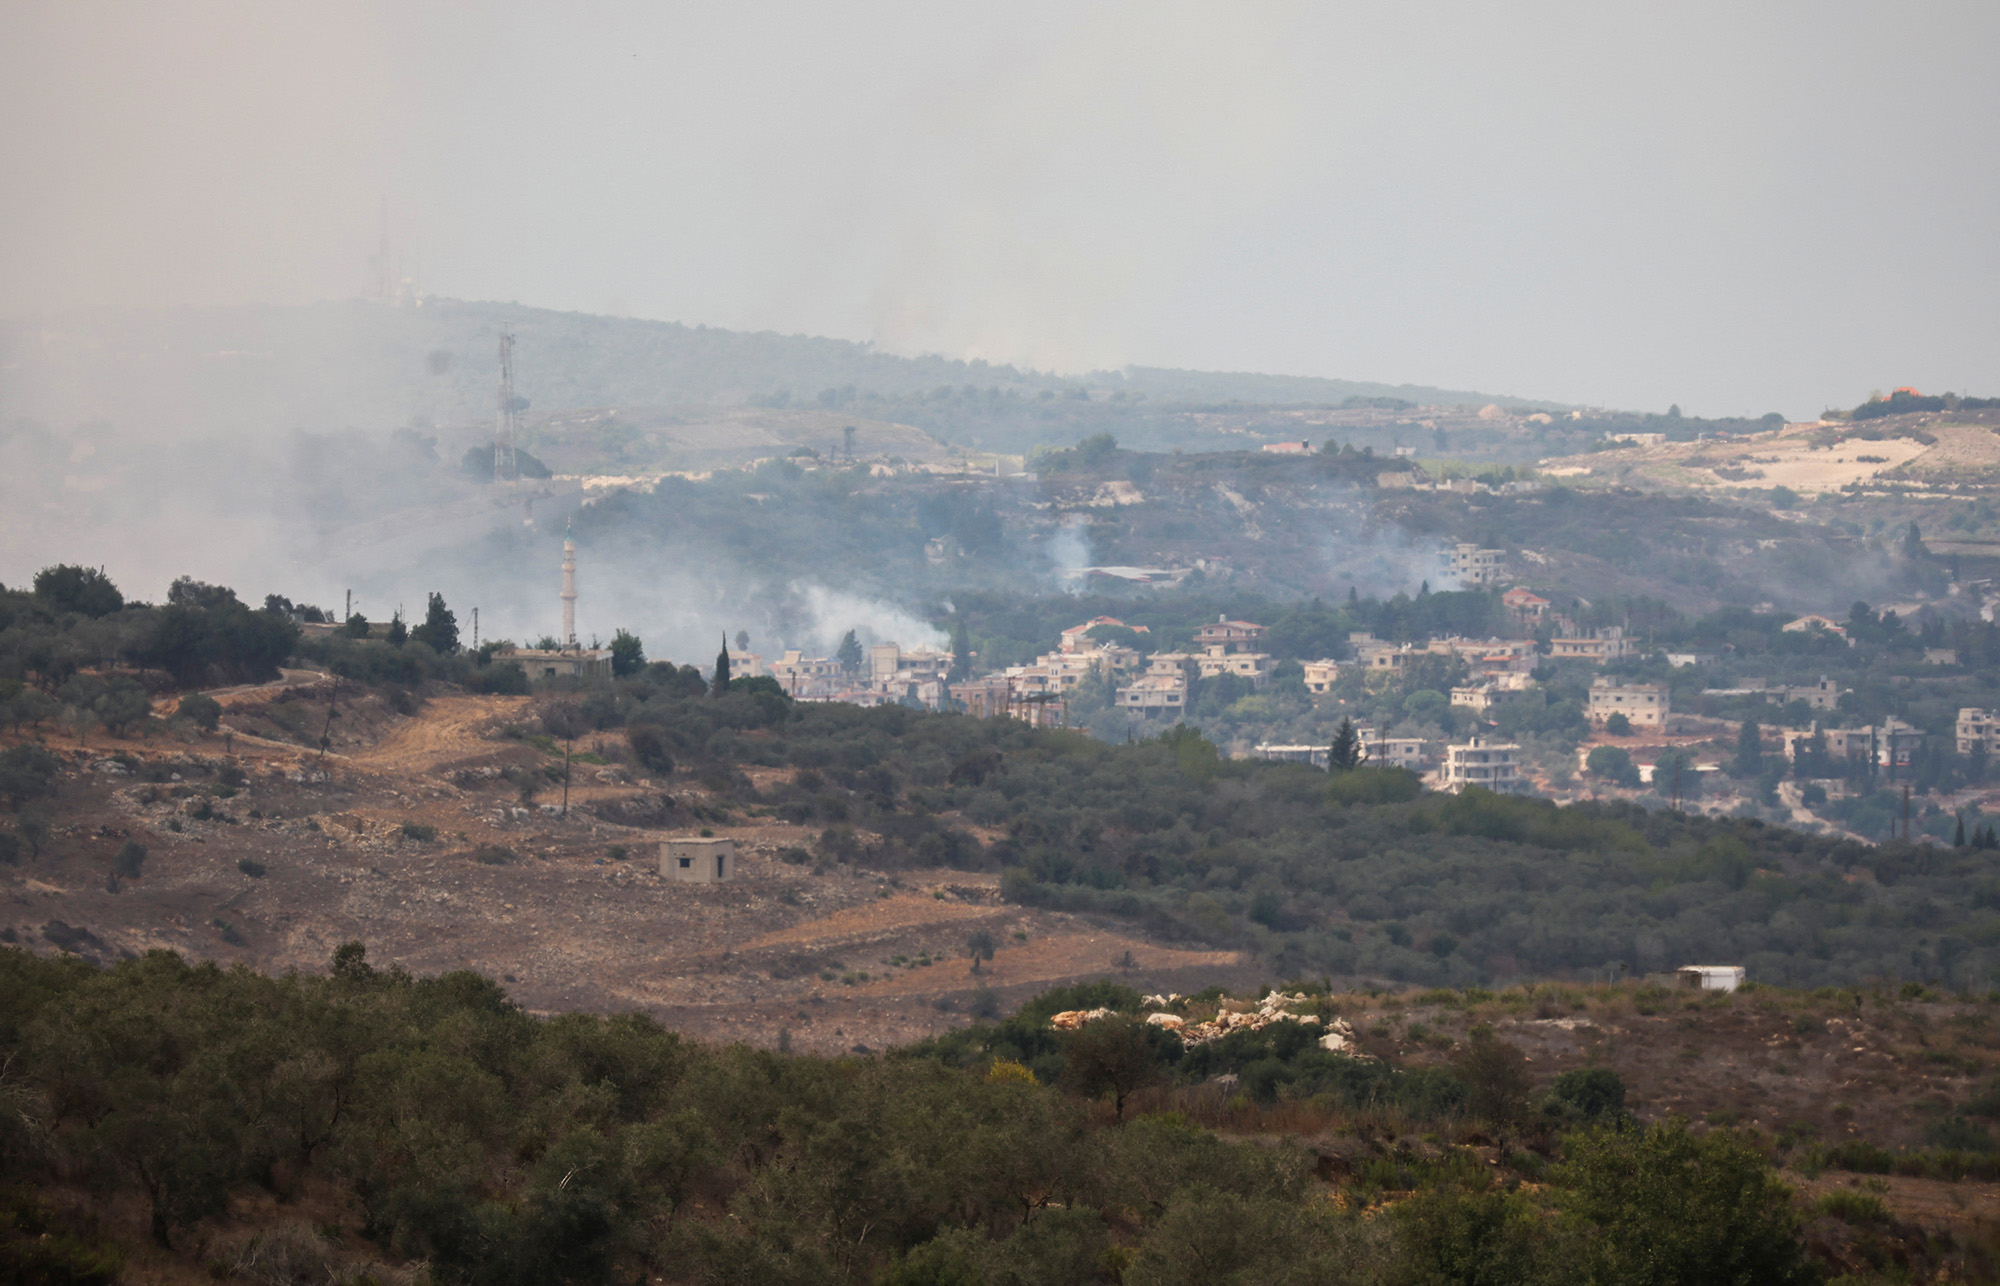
<point x="409" y="837"/>
<point x="1808" y="458"/>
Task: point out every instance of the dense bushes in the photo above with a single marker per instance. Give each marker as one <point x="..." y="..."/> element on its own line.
<point x="75" y="619"/>
<point x="503" y="1148"/>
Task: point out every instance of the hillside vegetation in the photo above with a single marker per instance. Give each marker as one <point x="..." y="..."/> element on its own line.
<point x="1361" y="873"/>
<point x="189" y="1123"/>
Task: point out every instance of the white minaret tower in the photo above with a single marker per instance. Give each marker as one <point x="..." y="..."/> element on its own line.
<point x="569" y="589"/>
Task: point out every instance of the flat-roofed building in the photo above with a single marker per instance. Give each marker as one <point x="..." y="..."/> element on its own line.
<point x="1470" y="565"/>
<point x="1317" y="756"/>
<point x="983" y="696"/>
<point x="1978" y="732"/>
<point x="1379" y="751"/>
<point x="1154" y="694"/>
<point x="1231" y="636"/>
<point x="1481" y="697"/>
<point x="1890" y="744"/>
<point x="1598" y="646"/>
<point x="1254" y="666"/>
<point x="1378" y="655"/>
<point x="557" y="663"/>
<point x="1480" y="762"/>
<point x="698" y="860"/>
<point x="809" y="678"/>
<point x="1644" y="705"/>
<point x="1320" y="676"/>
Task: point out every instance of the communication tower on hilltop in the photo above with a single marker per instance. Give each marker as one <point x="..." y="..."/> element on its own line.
<point x="506" y="429"/>
<point x="569" y="589"/>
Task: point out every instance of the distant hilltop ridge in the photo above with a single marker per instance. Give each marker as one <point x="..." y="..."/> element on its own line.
<point x="355" y="365"/>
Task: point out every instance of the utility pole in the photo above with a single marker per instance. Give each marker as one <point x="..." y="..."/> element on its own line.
<point x="569" y="743"/>
<point x="1906" y="812"/>
<point x="344" y="616"/>
<point x="475" y="629"/>
<point x="326" y="734"/>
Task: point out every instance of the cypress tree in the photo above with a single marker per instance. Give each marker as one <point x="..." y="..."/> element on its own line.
<point x="1345" y="753"/>
<point x="440" y="628"/>
<point x="1749" y="750"/>
<point x="721" y="684"/>
<point x="1958" y="836"/>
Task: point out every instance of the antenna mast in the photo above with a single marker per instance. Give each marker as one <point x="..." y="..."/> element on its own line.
<point x="505" y="467"/>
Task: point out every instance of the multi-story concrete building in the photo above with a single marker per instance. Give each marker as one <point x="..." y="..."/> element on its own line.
<point x="1470" y="565"/>
<point x="1375" y="655"/>
<point x="1824" y="695"/>
<point x="1491" y="656"/>
<point x="1892" y="744"/>
<point x="1254" y="666"/>
<point x="985" y="696"/>
<point x="1381" y="751"/>
<point x="1482" y="697"/>
<point x="1480" y="762"/>
<point x="810" y="678"/>
<point x="1154" y="694"/>
<point x="1599" y="646"/>
<point x="1320" y="676"/>
<point x="1230" y="647"/>
<point x="1230" y="636"/>
<point x="1978" y="732"/>
<point x="1644" y="705"/>
<point x="890" y="664"/>
<point x="1897" y="744"/>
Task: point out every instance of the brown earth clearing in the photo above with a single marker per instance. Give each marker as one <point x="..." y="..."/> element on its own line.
<point x="409" y="835"/>
<point x="1945" y="449"/>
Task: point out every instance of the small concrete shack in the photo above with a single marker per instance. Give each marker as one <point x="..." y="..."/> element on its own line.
<point x="698" y="861"/>
<point x="1701" y="977"/>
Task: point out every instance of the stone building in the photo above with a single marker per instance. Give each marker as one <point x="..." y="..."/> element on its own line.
<point x="705" y="860"/>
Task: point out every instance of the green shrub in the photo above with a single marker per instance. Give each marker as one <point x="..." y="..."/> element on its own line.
<point x="201" y="710"/>
<point x="1853" y="1207"/>
<point x="130" y="861"/>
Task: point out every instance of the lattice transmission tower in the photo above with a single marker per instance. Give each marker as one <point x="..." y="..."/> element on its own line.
<point x="506" y="430"/>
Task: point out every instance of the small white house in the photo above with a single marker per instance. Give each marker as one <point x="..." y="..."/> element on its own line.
<point x="698" y="861"/>
<point x="1711" y="977"/>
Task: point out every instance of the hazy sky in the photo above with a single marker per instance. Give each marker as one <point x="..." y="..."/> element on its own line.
<point x="1739" y="207"/>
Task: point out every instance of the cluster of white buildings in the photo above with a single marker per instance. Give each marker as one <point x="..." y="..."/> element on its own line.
<point x="1150" y="686"/>
<point x="1477" y="761"/>
<point x="887" y="676"/>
